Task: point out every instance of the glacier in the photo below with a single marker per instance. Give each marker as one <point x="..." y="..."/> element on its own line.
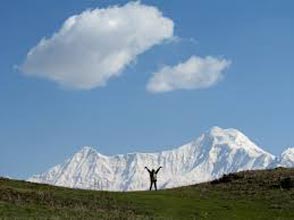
<point x="215" y="153"/>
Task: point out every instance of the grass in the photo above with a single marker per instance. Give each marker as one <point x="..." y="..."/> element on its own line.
<point x="264" y="194"/>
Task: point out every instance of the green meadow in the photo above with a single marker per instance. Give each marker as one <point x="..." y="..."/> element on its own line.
<point x="263" y="194"/>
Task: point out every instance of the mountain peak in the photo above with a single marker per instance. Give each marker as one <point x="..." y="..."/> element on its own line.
<point x="218" y="131"/>
<point x="288" y="151"/>
<point x="233" y="139"/>
<point x="87" y="150"/>
<point x="286" y="158"/>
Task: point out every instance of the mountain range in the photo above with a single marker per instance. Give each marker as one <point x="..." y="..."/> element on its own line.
<point x="215" y="153"/>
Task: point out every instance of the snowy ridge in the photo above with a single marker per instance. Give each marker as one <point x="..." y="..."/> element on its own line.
<point x="286" y="159"/>
<point x="216" y="152"/>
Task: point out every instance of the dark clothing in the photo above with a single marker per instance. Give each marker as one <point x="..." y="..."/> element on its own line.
<point x="153" y="177"/>
<point x="153" y="183"/>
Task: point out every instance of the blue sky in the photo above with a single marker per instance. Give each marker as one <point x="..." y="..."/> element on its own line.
<point x="43" y="122"/>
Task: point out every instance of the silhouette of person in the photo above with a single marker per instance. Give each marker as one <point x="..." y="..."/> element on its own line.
<point x="153" y="177"/>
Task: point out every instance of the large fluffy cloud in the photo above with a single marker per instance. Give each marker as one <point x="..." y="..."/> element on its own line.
<point x="96" y="45"/>
<point x="195" y="73"/>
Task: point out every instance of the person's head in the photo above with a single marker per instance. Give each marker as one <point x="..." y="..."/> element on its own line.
<point x="152" y="170"/>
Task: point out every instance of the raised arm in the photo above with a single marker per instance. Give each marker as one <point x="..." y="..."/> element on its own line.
<point x="158" y="169"/>
<point x="148" y="169"/>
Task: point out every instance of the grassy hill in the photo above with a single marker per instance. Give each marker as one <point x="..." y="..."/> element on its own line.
<point x="264" y="194"/>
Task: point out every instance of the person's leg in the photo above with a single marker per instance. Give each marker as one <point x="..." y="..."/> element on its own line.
<point x="151" y="182"/>
<point x="155" y="186"/>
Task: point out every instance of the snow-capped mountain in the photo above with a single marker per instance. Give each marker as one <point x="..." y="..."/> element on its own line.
<point x="286" y="159"/>
<point x="214" y="153"/>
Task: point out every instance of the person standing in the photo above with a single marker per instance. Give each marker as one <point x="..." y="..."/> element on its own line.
<point x="153" y="177"/>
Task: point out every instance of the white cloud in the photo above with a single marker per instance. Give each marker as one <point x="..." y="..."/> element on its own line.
<point x="96" y="45"/>
<point x="195" y="73"/>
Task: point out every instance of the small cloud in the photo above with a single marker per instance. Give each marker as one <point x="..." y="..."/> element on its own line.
<point x="95" y="46"/>
<point x="195" y="73"/>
